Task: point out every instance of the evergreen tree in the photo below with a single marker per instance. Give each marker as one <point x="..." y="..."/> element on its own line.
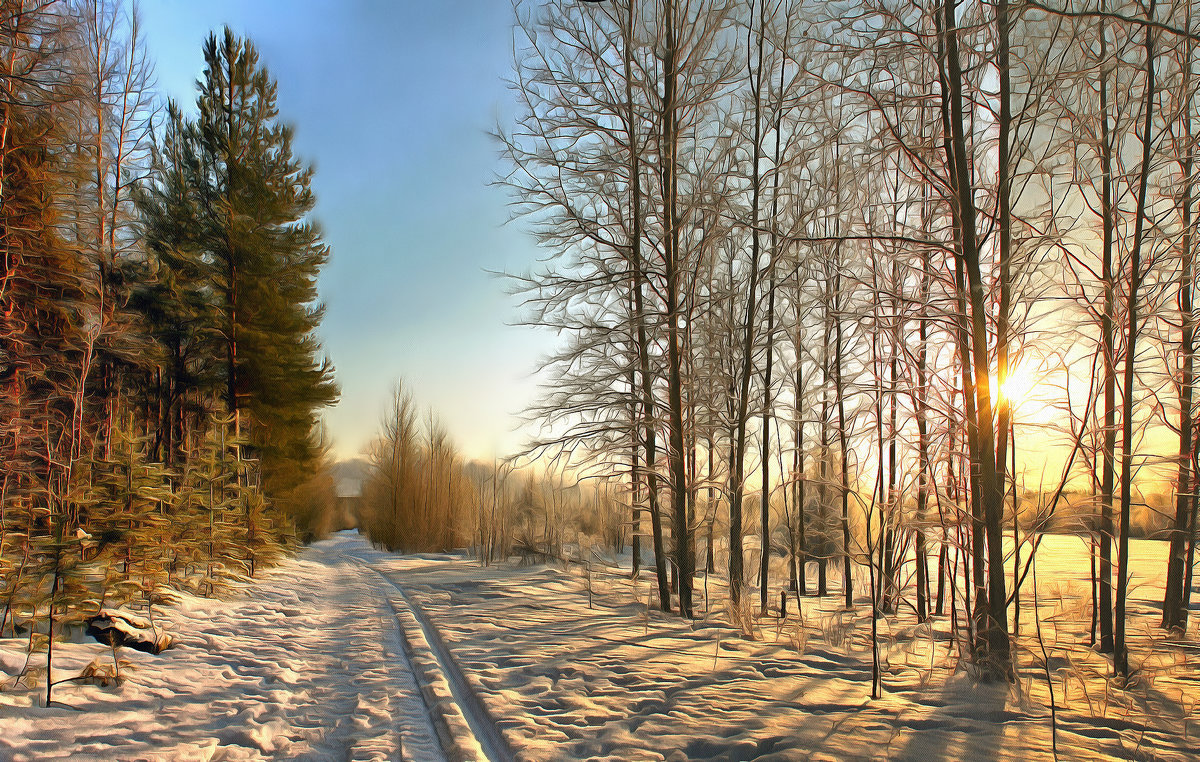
<point x="227" y="217"/>
<point x="266" y="254"/>
<point x="125" y="512"/>
<point x="174" y="298"/>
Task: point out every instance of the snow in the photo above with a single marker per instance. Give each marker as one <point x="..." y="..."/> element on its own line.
<point x="351" y="653"/>
<point x="134" y="631"/>
<point x="616" y="680"/>
<point x="305" y="663"/>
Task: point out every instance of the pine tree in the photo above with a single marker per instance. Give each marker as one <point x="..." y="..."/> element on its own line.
<point x="227" y="218"/>
<point x="127" y="520"/>
<point x="210" y="510"/>
<point x="254" y="203"/>
<point x="173" y="297"/>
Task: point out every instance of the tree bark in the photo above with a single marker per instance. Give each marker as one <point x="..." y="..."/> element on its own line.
<point x="1121" y="649"/>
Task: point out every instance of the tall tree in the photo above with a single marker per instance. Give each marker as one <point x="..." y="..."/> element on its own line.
<point x="265" y="254"/>
<point x="1120" y="646"/>
<point x="1178" y="560"/>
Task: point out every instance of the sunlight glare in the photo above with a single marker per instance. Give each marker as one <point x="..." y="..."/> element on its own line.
<point x="1017" y="386"/>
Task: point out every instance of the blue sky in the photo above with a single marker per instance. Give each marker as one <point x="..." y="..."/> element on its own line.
<point x="392" y="101"/>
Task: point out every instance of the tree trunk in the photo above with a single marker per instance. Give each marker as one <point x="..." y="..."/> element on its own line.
<point x="1121" y="650"/>
<point x="991" y="620"/>
<point x="673" y="270"/>
<point x="1174" y="613"/>
<point x="1108" y="339"/>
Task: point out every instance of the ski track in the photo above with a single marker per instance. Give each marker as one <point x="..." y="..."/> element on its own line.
<point x="482" y="726"/>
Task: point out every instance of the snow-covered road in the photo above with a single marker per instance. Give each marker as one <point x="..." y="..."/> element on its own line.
<point x="480" y="738"/>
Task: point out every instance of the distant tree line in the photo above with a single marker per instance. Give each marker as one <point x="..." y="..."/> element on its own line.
<point x="159" y="372"/>
<point x="805" y="252"/>
<point x="420" y="495"/>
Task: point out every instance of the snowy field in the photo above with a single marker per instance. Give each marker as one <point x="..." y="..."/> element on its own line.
<point x="612" y="680"/>
<point x="351" y="653"/>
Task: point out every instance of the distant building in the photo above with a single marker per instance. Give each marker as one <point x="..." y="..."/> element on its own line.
<point x="350" y="476"/>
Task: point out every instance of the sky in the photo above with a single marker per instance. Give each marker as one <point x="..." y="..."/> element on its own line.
<point x="392" y="102"/>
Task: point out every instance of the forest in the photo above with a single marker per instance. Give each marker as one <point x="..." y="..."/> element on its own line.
<point x="161" y="379"/>
<point x="894" y="285"/>
<point x="865" y="313"/>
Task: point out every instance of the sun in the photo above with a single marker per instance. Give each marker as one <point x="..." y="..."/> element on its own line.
<point x="1017" y="386"/>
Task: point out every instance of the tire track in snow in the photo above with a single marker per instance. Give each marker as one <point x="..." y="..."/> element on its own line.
<point x="478" y="721"/>
<point x="414" y="723"/>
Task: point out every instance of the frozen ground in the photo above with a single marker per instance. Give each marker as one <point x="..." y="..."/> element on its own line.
<point x="573" y="677"/>
<point x="522" y="662"/>
<point x="307" y="663"/>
